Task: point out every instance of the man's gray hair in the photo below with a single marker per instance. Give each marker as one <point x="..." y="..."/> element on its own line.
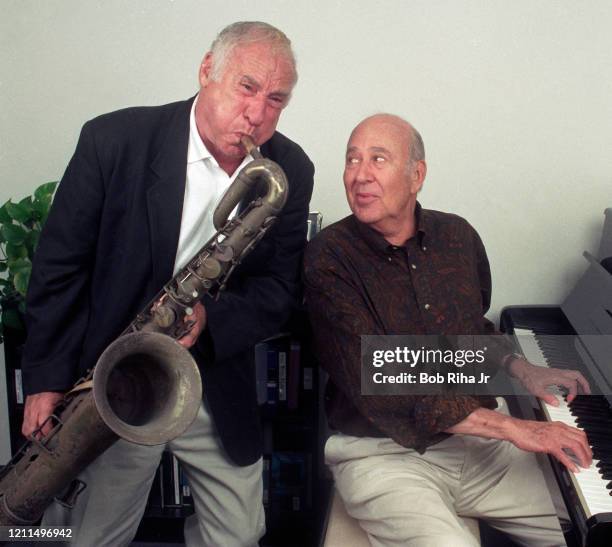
<point x="417" y="148"/>
<point x="243" y="33"/>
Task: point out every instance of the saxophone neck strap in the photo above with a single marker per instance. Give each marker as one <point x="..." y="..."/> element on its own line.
<point x="81" y="387"/>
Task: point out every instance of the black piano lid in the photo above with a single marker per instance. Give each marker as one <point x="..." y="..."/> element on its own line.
<point x="588" y="308"/>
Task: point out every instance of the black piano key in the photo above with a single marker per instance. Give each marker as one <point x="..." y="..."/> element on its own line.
<point x="592" y="417"/>
<point x="586" y="402"/>
<point x="600" y="455"/>
<point x="594" y="421"/>
<point x="594" y="430"/>
<point x="581" y="410"/>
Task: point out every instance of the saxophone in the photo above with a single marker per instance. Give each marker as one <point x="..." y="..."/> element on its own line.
<point x="145" y="387"/>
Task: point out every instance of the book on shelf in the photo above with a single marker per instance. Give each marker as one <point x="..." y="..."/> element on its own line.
<point x="185" y="490"/>
<point x="314" y="223"/>
<point x="290" y="481"/>
<point x="293" y="375"/>
<point x="266" y="480"/>
<point x="278" y="374"/>
<point x="282" y="376"/>
<point x="176" y="481"/>
<point x="261" y="372"/>
<point x="272" y="382"/>
<point x="167" y="479"/>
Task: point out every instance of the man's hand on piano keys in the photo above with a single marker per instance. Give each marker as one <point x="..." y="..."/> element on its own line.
<point x="567" y="444"/>
<point x="537" y="379"/>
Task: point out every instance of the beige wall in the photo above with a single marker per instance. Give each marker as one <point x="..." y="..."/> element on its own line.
<point x="513" y="100"/>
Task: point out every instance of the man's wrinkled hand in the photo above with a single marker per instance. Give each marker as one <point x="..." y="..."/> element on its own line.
<point x="555" y="438"/>
<point x="38" y="408"/>
<point x="537" y="379"/>
<point x="198" y="318"/>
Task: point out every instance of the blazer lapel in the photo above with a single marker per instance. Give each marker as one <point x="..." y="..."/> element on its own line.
<point x="165" y="195"/>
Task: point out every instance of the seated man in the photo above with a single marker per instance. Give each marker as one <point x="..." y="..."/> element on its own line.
<point x="408" y="466"/>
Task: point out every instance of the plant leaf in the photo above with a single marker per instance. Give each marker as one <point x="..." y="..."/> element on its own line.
<point x="18" y="212"/>
<point x="4" y="216"/>
<point x="13" y="233"/>
<point x="26" y="204"/>
<point x="32" y="241"/>
<point x="45" y="190"/>
<point x="13" y="252"/>
<point x="22" y="278"/>
<point x="41" y="207"/>
<point x="20" y="265"/>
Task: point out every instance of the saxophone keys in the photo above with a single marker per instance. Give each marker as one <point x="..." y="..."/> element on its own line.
<point x="210" y="268"/>
<point x="164" y="316"/>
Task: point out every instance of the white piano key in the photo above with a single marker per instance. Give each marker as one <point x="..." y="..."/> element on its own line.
<point x="529" y="347"/>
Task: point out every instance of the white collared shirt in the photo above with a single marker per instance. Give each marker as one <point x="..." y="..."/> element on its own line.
<point x="205" y="185"/>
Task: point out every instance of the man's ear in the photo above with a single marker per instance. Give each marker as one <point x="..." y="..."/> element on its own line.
<point x="417" y="176"/>
<point x="205" y="70"/>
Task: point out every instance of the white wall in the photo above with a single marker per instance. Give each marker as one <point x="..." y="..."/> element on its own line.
<point x="513" y="99"/>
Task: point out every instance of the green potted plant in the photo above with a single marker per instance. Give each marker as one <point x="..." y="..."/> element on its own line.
<point x="20" y="226"/>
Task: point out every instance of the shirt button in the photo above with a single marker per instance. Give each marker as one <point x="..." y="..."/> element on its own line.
<point x="413" y="266"/>
<point x="424" y="248"/>
<point x="427" y="306"/>
<point x="389" y="259"/>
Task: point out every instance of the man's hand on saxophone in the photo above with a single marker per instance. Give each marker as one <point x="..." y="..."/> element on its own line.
<point x="198" y="321"/>
<point x="38" y="408"/>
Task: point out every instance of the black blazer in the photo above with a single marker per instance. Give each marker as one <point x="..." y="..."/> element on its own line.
<point x="109" y="245"/>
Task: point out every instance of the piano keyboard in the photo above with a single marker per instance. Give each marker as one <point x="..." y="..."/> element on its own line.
<point x="588" y="413"/>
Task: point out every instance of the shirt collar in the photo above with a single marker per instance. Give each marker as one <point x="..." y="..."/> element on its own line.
<point x="196" y="150"/>
<point x="377" y="241"/>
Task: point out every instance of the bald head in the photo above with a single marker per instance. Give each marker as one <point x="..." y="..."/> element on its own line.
<point x="410" y="138"/>
<point x="384" y="171"/>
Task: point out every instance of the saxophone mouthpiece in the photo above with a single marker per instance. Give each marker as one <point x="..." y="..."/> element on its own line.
<point x="248" y="143"/>
<point x="250" y="146"/>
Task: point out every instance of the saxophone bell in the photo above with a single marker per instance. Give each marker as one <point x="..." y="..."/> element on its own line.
<point x="147" y="388"/>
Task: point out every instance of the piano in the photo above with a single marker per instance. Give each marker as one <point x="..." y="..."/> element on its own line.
<point x="576" y="335"/>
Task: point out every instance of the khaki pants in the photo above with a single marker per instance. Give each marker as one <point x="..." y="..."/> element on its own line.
<point x="227" y="498"/>
<point x="403" y="498"/>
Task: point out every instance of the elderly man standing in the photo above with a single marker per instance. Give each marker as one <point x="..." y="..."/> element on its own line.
<point x="408" y="467"/>
<point x="134" y="205"/>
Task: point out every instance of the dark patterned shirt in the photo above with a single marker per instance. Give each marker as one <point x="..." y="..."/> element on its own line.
<point x="357" y="283"/>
